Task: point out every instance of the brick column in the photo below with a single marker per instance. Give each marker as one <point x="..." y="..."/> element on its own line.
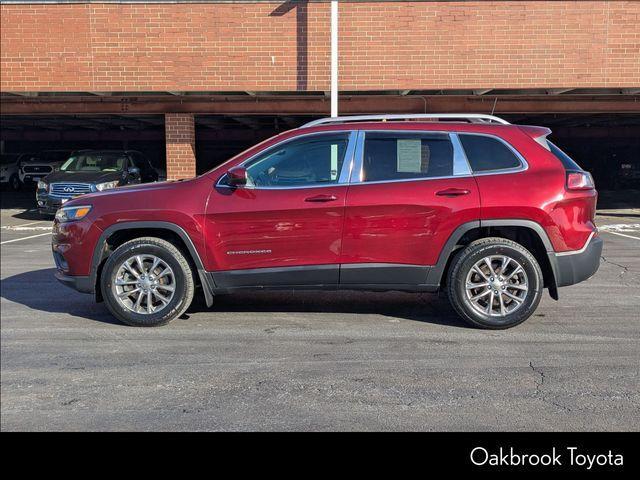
<point x="181" y="145"/>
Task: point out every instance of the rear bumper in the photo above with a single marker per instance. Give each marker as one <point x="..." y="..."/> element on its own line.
<point x="80" y="283"/>
<point x="575" y="267"/>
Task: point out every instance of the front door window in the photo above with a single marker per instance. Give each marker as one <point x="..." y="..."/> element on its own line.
<point x="314" y="160"/>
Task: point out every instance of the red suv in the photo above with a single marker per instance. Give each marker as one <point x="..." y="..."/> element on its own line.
<point x="488" y="211"/>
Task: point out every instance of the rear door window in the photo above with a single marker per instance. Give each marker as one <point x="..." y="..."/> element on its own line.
<point x="406" y="156"/>
<point x="488" y="154"/>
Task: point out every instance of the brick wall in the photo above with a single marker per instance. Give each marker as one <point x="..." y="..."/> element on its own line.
<point x="180" y="139"/>
<point x="285" y="46"/>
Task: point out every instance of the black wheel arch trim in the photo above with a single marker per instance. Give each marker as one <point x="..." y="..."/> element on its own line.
<point x="436" y="273"/>
<point x="434" y="276"/>
<point x="99" y="251"/>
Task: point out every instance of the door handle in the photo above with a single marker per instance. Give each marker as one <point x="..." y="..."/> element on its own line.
<point x="453" y="192"/>
<point x="321" y="198"/>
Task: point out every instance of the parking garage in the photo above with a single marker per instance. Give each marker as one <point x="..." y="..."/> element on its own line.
<point x="600" y="129"/>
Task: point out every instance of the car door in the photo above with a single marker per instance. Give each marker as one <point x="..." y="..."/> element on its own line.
<point x="409" y="191"/>
<point x="284" y="227"/>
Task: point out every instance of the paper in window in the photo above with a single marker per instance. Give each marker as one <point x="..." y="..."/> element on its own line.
<point x="334" y="162"/>
<point x="409" y="153"/>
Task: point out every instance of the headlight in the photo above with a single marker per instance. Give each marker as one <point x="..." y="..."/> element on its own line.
<point x="42" y="185"/>
<point x="106" y="185"/>
<point x="68" y="214"/>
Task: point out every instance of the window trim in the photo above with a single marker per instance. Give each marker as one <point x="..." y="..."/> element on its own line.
<point x="497" y="171"/>
<point x="343" y="177"/>
<point x="460" y="163"/>
<point x="352" y="166"/>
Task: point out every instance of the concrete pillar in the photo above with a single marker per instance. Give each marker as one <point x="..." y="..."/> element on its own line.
<point x="181" y="145"/>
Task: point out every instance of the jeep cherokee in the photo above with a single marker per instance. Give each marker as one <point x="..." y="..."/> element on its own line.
<point x="491" y="213"/>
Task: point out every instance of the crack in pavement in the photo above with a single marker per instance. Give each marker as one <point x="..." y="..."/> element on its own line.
<point x="539" y="388"/>
<point x="624" y="269"/>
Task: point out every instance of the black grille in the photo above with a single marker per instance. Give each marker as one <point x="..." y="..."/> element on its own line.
<point x="37" y="169"/>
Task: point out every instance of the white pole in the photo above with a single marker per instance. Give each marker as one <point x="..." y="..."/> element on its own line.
<point x="334" y="58"/>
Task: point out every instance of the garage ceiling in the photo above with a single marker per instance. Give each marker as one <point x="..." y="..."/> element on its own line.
<point x="265" y="122"/>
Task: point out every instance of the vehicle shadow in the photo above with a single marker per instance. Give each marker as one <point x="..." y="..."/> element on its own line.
<point x="22" y="201"/>
<point x="38" y="290"/>
<point x="427" y="308"/>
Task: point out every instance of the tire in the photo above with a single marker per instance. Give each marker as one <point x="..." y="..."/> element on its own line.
<point x="15" y="183"/>
<point x="148" y="248"/>
<point x="506" y="312"/>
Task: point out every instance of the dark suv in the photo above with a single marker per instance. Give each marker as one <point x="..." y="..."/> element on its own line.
<point x="89" y="171"/>
<point x="492" y="213"/>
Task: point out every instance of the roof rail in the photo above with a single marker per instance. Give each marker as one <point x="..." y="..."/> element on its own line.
<point x="469" y="117"/>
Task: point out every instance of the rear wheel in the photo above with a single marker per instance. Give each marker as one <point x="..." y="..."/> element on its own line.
<point x="147" y="282"/>
<point x="495" y="283"/>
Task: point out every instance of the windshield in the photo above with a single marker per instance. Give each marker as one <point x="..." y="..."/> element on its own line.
<point x="95" y="162"/>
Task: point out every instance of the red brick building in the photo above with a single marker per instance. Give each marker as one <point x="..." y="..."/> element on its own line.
<point x="196" y="76"/>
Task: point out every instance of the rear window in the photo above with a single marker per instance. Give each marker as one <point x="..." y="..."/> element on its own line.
<point x="567" y="161"/>
<point x="487" y="153"/>
<point x="400" y="156"/>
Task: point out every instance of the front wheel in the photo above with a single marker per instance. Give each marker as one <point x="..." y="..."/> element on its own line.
<point x="495" y="283"/>
<point x="147" y="282"/>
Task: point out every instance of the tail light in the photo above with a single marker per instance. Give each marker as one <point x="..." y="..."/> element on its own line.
<point x="579" y="181"/>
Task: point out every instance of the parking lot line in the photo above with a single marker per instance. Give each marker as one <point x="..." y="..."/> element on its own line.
<point x="621" y="234"/>
<point x="25" y="238"/>
<point x="27" y="224"/>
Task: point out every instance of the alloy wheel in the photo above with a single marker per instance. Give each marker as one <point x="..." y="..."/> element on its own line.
<point x="144" y="284"/>
<point x="496" y="285"/>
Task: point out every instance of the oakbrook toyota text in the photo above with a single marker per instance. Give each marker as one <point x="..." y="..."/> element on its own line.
<point x="572" y="456"/>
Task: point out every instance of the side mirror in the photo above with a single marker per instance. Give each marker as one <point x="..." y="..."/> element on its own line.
<point x="135" y="171"/>
<point x="237" y="176"/>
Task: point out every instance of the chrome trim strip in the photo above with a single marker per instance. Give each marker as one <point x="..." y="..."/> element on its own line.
<point x="347" y="164"/>
<point x="460" y="163"/>
<point x="410" y="180"/>
<point x="72" y="184"/>
<point x="576" y="252"/>
<point x="56" y="190"/>
<point x="356" y="173"/>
